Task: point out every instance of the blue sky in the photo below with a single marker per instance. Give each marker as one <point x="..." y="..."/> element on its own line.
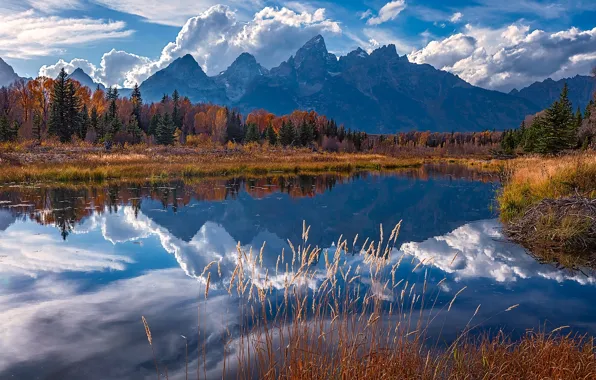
<point x="491" y="43"/>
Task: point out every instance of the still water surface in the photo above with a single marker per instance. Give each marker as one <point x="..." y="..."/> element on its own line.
<point x="80" y="265"/>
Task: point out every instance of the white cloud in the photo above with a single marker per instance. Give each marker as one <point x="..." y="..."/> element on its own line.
<point x="388" y="12"/>
<point x="173" y="12"/>
<point x="114" y="69"/>
<point x="27" y="34"/>
<point x="216" y="38"/>
<point x="456" y="17"/>
<point x="511" y="56"/>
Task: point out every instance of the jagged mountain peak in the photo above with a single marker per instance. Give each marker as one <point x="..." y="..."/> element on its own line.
<point x="84" y="79"/>
<point x="7" y="74"/>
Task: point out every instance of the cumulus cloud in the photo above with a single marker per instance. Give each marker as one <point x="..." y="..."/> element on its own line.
<point x="388" y="12"/>
<point x="456" y="17"/>
<point x="114" y="69"/>
<point x="511" y="56"/>
<point x="27" y="34"/>
<point x="216" y="37"/>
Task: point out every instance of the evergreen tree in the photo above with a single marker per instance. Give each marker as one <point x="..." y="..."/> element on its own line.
<point x="155" y="120"/>
<point x="271" y="135"/>
<point x="4" y="128"/>
<point x="557" y="131"/>
<point x="165" y="130"/>
<point x="137" y="103"/>
<point x="58" y="124"/>
<point x="85" y="123"/>
<point x="134" y="130"/>
<point x="252" y="133"/>
<point x="287" y="134"/>
<point x="234" y="129"/>
<point x="93" y="120"/>
<point x="176" y="116"/>
<point x="307" y="134"/>
<point x="341" y="133"/>
<point x="36" y="131"/>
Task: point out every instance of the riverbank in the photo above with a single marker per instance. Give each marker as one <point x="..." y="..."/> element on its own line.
<point x="547" y="205"/>
<point x="92" y="164"/>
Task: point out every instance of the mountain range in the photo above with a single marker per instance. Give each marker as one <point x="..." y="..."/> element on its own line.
<point x="380" y="92"/>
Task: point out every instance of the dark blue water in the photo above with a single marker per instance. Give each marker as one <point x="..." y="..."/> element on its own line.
<point x="79" y="266"/>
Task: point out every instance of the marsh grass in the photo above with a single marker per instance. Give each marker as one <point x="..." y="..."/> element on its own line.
<point x="547" y="205"/>
<point x="344" y="313"/>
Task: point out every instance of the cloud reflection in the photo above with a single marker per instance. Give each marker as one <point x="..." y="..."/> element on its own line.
<point x="479" y="250"/>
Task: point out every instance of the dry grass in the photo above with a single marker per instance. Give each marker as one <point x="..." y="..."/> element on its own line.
<point x="530" y="180"/>
<point x="547" y="206"/>
<point x="344" y="314"/>
<point x="82" y="163"/>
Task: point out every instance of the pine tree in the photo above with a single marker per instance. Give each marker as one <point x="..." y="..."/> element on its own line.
<point x="165" y="130"/>
<point x="271" y="135"/>
<point x="234" y="130"/>
<point x="307" y="134"/>
<point x="36" y="131"/>
<point x="137" y="103"/>
<point x="557" y="130"/>
<point x="85" y="123"/>
<point x="176" y="116"/>
<point x="287" y="134"/>
<point x="58" y="120"/>
<point x="93" y="121"/>
<point x="155" y="120"/>
<point x="4" y="128"/>
<point x="73" y="110"/>
<point x="134" y="130"/>
<point x="252" y="133"/>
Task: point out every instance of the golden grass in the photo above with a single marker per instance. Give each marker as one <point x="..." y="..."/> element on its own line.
<point x="345" y="314"/>
<point x="88" y="164"/>
<point x="545" y="206"/>
<point x="532" y="179"/>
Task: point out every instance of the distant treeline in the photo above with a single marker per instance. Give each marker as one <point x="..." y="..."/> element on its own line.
<point x="60" y="109"/>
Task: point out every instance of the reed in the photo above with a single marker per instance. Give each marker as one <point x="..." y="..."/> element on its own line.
<point x="344" y="313"/>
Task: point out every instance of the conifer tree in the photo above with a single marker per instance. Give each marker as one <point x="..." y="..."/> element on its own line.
<point x="137" y="103"/>
<point x="176" y="116"/>
<point x="252" y="133"/>
<point x="287" y="134"/>
<point x="271" y="135"/>
<point x="155" y="120"/>
<point x="234" y="130"/>
<point x="4" y="125"/>
<point x="165" y="130"/>
<point x="557" y="130"/>
<point x="36" y="130"/>
<point x="84" y="124"/>
<point x="58" y="120"/>
<point x="134" y="130"/>
<point x="307" y="134"/>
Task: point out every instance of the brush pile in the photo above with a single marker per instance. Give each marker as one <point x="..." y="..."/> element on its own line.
<point x="565" y="224"/>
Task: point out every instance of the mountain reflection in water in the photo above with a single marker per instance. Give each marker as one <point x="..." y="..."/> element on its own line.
<point x="71" y="300"/>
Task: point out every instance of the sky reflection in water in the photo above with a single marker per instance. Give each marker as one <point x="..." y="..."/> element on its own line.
<point x="78" y="267"/>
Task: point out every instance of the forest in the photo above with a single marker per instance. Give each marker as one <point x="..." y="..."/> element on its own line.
<point x="46" y="110"/>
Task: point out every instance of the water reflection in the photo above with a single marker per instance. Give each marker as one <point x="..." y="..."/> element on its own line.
<point x="71" y="300"/>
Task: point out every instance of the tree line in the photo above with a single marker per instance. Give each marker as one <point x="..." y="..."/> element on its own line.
<point x="61" y="109"/>
<point x="556" y="129"/>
